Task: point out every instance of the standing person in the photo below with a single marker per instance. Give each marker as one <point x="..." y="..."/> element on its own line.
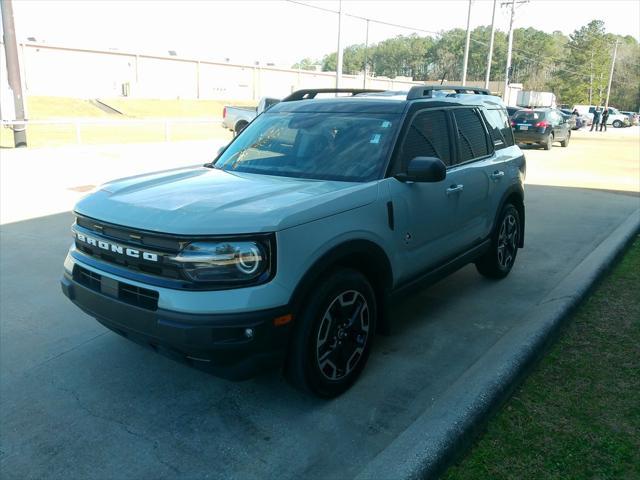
<point x="596" y="119"/>
<point x="605" y="117"/>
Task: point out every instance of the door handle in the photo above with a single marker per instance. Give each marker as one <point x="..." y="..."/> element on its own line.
<point x="497" y="175"/>
<point x="454" y="189"/>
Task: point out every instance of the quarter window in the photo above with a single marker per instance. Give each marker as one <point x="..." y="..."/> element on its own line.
<point x="499" y="128"/>
<point x="472" y="138"/>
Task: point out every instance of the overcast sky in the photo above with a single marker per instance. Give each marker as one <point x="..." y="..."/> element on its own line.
<point x="283" y="32"/>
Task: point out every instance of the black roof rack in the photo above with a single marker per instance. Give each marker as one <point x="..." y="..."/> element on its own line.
<point x="426" y="91"/>
<point x="308" y="94"/>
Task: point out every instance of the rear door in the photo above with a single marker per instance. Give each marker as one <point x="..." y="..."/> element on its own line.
<point x="467" y="173"/>
<point x="558" y="124"/>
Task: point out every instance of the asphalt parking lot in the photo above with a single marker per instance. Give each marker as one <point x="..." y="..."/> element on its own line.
<point x="79" y="401"/>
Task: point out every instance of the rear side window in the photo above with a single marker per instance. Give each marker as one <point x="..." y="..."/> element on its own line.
<point x="428" y="136"/>
<point x="499" y="128"/>
<point x="472" y="138"/>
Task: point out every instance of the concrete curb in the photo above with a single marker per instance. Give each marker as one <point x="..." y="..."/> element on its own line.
<point x="443" y="432"/>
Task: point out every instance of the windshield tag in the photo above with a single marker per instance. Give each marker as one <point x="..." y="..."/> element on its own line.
<point x="375" y="138"/>
<point x="386" y="124"/>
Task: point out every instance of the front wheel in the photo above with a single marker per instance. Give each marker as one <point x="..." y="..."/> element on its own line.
<point x="565" y="142"/>
<point x="333" y="335"/>
<point x="617" y="124"/>
<point x="499" y="260"/>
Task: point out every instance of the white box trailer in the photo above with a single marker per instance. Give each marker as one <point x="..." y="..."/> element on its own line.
<point x="529" y="98"/>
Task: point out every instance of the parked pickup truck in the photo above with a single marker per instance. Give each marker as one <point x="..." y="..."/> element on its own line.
<point x="289" y="249"/>
<point x="236" y="118"/>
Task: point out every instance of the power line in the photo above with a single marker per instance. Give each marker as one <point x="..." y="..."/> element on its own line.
<point x="540" y="58"/>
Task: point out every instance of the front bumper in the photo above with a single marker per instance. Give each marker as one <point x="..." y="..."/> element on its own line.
<point x="217" y="343"/>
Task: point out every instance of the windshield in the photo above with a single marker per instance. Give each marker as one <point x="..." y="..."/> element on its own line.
<point x="329" y="146"/>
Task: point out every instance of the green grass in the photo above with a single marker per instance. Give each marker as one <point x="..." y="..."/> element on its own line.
<point x="57" y="135"/>
<point x="145" y="108"/>
<point x="45" y="108"/>
<point x="577" y="416"/>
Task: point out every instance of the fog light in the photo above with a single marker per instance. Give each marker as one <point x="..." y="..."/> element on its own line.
<point x="248" y="332"/>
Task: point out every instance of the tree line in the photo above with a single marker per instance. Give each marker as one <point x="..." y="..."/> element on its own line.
<point x="575" y="67"/>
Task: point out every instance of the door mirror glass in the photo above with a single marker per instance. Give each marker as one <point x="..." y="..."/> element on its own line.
<point x="424" y="169"/>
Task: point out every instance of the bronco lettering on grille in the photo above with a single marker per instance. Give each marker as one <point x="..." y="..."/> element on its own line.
<point x="115" y="248"/>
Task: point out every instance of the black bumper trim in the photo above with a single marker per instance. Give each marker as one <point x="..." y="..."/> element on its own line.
<point x="215" y="343"/>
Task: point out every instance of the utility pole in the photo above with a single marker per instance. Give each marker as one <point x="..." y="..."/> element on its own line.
<point x="509" y="50"/>
<point x="13" y="71"/>
<point x="466" y="47"/>
<point x="339" y="56"/>
<point x="366" y="57"/>
<point x="493" y="34"/>
<point x="613" y="64"/>
<point x="512" y="3"/>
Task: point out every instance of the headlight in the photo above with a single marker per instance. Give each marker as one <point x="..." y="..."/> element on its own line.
<point x="225" y="261"/>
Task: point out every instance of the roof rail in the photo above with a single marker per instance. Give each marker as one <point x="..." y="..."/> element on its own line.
<point x="426" y="91"/>
<point x="308" y="94"/>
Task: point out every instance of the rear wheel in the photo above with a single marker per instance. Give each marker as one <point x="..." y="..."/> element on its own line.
<point x="239" y="127"/>
<point x="499" y="260"/>
<point x="549" y="143"/>
<point x="333" y="335"/>
<point x="617" y="124"/>
<point x="565" y="142"/>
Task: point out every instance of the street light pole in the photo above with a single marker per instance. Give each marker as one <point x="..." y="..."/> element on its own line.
<point x="466" y="47"/>
<point x="613" y="64"/>
<point x="13" y="71"/>
<point x="339" y="55"/>
<point x="490" y="54"/>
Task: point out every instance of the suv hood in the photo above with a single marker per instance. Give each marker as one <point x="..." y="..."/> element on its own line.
<point x="207" y="201"/>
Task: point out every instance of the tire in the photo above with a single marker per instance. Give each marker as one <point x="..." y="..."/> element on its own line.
<point x="617" y="124"/>
<point x="549" y="143"/>
<point x="239" y="127"/>
<point x="499" y="260"/>
<point x="565" y="142"/>
<point x="332" y="337"/>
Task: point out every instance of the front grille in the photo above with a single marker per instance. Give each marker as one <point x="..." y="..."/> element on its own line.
<point x="130" y="236"/>
<point x="161" y="245"/>
<point x="136" y="296"/>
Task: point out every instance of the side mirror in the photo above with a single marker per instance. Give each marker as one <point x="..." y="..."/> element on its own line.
<point x="424" y="169"/>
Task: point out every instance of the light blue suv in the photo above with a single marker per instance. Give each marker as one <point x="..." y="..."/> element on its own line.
<point x="290" y="247"/>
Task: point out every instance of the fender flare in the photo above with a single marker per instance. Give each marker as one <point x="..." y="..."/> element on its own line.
<point x="363" y="255"/>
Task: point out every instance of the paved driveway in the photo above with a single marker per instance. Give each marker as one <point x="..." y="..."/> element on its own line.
<point x="79" y="401"/>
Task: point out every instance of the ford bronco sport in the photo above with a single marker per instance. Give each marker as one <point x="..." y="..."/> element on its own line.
<point x="288" y="249"/>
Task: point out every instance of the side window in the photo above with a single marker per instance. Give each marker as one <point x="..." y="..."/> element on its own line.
<point x="428" y="136"/>
<point x="472" y="138"/>
<point x="499" y="128"/>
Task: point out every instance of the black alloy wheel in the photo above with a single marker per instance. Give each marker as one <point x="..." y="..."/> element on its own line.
<point x="342" y="335"/>
<point x="333" y="334"/>
<point x="498" y="261"/>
